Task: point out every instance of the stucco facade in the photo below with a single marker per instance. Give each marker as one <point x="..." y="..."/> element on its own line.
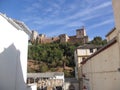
<point x="116" y="8"/>
<point x="80" y="54"/>
<point x="101" y="71"/>
<point x="13" y="55"/>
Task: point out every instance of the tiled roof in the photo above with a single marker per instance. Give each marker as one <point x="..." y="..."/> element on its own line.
<point x="88" y="46"/>
<point x="23" y="26"/>
<point x="17" y="24"/>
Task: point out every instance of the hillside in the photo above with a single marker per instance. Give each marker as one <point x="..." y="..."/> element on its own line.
<point x="55" y="57"/>
<point x="51" y="57"/>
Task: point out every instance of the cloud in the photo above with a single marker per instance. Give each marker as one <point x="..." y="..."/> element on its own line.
<point x="44" y="8"/>
<point x="66" y="16"/>
<point x="56" y="6"/>
<point x="58" y="31"/>
<point x="75" y="24"/>
<point x="97" y="15"/>
<point x="54" y="9"/>
<point x="103" y="5"/>
<point x="101" y="23"/>
<point x="88" y="10"/>
<point x="54" y="33"/>
<point x="82" y="15"/>
<point x="32" y="8"/>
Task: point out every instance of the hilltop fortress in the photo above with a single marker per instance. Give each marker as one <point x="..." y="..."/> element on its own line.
<point x="80" y="37"/>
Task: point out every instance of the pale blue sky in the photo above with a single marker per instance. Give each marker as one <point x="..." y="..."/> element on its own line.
<point x="54" y="17"/>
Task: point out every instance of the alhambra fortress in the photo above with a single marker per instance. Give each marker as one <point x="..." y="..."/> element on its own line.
<point x="80" y="37"/>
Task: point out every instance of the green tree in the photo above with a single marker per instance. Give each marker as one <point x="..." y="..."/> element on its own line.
<point x="52" y="55"/>
<point x="98" y="41"/>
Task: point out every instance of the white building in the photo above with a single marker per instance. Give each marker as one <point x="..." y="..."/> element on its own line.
<point x="13" y="54"/>
<point x="47" y="80"/>
<point x="80" y="54"/>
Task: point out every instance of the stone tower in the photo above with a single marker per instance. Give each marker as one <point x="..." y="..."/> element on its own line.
<point x="80" y="33"/>
<point x="34" y="36"/>
<point x="63" y="38"/>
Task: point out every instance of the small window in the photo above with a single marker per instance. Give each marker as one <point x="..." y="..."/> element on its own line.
<point x="98" y="48"/>
<point x="91" y="50"/>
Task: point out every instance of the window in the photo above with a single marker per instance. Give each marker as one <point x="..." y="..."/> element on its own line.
<point x="91" y="50"/>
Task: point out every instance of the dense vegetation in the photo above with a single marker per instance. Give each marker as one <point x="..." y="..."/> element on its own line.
<point x="98" y="41"/>
<point x="52" y="55"/>
<point x="56" y="56"/>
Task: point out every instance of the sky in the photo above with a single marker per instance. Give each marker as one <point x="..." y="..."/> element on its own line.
<point x="55" y="17"/>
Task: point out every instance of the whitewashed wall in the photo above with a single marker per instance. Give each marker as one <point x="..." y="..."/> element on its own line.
<point x="79" y="54"/>
<point x="32" y="87"/>
<point x="61" y="77"/>
<point x="13" y="57"/>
